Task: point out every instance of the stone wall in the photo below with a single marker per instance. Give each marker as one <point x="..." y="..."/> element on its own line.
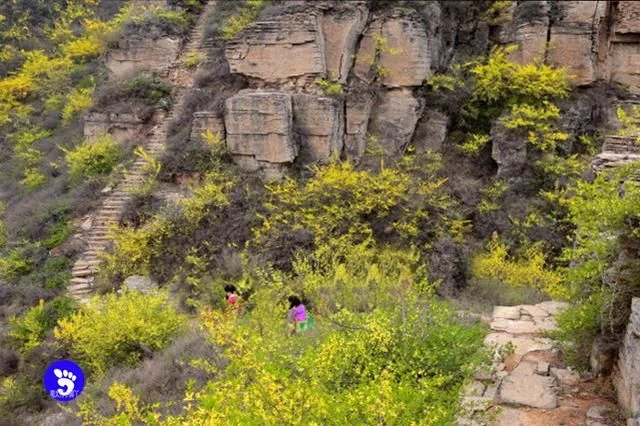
<point x="121" y="127"/>
<point x="626" y="377"/>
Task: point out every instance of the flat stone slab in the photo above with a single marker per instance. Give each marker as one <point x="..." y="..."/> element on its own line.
<point x="523" y="344"/>
<point x="506" y="312"/>
<point x="524" y="387"/>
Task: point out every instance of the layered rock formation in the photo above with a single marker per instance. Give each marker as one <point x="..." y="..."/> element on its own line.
<point x="137" y="55"/>
<point x="627" y="372"/>
<point x="593" y="40"/>
<point x="285" y="55"/>
<point x="120" y="126"/>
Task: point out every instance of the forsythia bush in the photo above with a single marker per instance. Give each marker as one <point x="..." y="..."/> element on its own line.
<point x="529" y="269"/>
<point x="382" y="352"/>
<point x="522" y="95"/>
<point x="114" y="330"/>
<point x="340" y="205"/>
<point x="93" y="158"/>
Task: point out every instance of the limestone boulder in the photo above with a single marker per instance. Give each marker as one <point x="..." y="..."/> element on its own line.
<point x="508" y="149"/>
<point x="431" y="132"/>
<point x="319" y="126"/>
<point x="399" y="45"/>
<point x="342" y="27"/>
<point x="284" y="46"/>
<point x="394" y="120"/>
<point x="259" y="128"/>
<point x="135" y="55"/>
<point x="573" y="40"/>
<point x="141" y="284"/>
<point x="626" y="377"/>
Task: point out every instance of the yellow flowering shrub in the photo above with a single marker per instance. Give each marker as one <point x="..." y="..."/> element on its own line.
<point x="112" y="329"/>
<point x="528" y="269"/>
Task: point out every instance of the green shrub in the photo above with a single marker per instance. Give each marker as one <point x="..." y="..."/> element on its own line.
<point x="113" y="330"/>
<point x="93" y="159"/>
<point x="151" y="89"/>
<point x="58" y="234"/>
<point x="78" y="101"/>
<point x="330" y="87"/>
<point x="529" y="269"/>
<point x="246" y="16"/>
<point x="55" y="273"/>
<point x="15" y="264"/>
<point x="193" y="59"/>
<point x="28" y="331"/>
<point x="597" y="280"/>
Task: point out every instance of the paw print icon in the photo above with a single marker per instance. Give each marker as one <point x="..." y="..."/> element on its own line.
<point x="64" y="380"/>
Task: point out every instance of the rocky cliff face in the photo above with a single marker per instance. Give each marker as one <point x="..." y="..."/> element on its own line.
<point x="380" y="58"/>
<point x="627" y="372"/>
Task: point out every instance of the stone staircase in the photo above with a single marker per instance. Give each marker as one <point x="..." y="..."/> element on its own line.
<point x="529" y="383"/>
<point x="85" y="268"/>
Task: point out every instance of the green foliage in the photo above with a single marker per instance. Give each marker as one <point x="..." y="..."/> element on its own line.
<point x="55" y="273"/>
<point x="520" y="95"/>
<point x="439" y="82"/>
<point x="149" y="172"/>
<point x="385" y="352"/>
<point x="603" y="211"/>
<point x="28" y="331"/>
<point x="246" y="16"/>
<point x="93" y="159"/>
<point x="113" y="330"/>
<point x="494" y="14"/>
<point x="151" y="89"/>
<point x="78" y="101"/>
<point x="134" y="248"/>
<point x="600" y="285"/>
<point x="58" y="234"/>
<point x="211" y="195"/>
<point x="491" y="196"/>
<point x="28" y="156"/>
<point x="193" y="59"/>
<point x="474" y="143"/>
<point x="538" y="121"/>
<point x="529" y="269"/>
<point x="330" y="87"/>
<point x="15" y="264"/>
<point x="498" y="80"/>
<point x="629" y="122"/>
<point x="578" y="326"/>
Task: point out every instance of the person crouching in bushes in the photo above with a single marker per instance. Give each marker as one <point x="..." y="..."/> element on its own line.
<point x="233" y="300"/>
<point x="299" y="320"/>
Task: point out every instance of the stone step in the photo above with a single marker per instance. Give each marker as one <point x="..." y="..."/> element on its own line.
<point x="80" y="273"/>
<point x="79" y="288"/>
<point x="79" y="281"/>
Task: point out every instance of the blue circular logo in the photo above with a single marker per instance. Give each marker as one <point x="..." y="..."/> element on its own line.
<point x="64" y="380"/>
